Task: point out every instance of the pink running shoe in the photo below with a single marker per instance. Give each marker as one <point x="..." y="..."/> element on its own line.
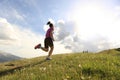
<point x="37" y="46"/>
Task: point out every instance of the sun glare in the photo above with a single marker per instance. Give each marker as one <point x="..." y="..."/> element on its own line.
<point x="89" y="19"/>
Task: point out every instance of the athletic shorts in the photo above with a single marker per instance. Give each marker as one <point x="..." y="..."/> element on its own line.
<point x="48" y="42"/>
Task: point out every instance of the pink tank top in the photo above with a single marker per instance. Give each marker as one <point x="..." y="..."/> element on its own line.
<point x="48" y="32"/>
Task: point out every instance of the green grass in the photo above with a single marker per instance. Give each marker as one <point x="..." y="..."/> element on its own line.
<point x="104" y="65"/>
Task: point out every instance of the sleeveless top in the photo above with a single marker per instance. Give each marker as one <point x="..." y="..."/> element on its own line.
<point x="48" y="32"/>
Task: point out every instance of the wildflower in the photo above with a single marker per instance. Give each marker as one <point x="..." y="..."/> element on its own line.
<point x="80" y="66"/>
<point x="23" y="69"/>
<point x="15" y="70"/>
<point x="82" y="77"/>
<point x="42" y="68"/>
<point x="50" y="66"/>
<point x="89" y="77"/>
<point x="31" y="74"/>
<point x="68" y="77"/>
<point x="112" y="64"/>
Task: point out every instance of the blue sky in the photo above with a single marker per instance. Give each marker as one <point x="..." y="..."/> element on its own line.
<point x="79" y="25"/>
<point x="34" y="13"/>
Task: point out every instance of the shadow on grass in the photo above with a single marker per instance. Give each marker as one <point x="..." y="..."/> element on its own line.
<point x="10" y="71"/>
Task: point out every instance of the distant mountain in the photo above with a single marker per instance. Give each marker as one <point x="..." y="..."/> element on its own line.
<point x="7" y="57"/>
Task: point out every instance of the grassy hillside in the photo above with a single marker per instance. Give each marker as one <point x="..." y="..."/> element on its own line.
<point x="104" y="65"/>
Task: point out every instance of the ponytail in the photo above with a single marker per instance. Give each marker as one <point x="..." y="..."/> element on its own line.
<point x="49" y="23"/>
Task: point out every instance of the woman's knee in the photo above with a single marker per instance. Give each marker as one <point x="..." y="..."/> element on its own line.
<point x="46" y="49"/>
<point x="52" y="47"/>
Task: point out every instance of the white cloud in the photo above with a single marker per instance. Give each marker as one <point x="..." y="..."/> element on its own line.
<point x="76" y="42"/>
<point x="10" y="12"/>
<point x="61" y="30"/>
<point x="6" y="30"/>
<point x="117" y="10"/>
<point x="18" y="41"/>
<point x="21" y="41"/>
<point x="95" y="28"/>
<point x="17" y="15"/>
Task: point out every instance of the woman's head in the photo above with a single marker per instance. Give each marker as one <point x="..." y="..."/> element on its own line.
<point x="50" y="24"/>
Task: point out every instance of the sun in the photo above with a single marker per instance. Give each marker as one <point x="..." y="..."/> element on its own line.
<point x="88" y="19"/>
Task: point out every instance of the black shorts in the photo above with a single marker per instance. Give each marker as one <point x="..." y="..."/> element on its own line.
<point x="48" y="42"/>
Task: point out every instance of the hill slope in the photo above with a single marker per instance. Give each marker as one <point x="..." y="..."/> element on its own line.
<point x="84" y="66"/>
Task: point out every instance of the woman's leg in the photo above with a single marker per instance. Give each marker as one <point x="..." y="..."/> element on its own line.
<point x="51" y="50"/>
<point x="44" y="49"/>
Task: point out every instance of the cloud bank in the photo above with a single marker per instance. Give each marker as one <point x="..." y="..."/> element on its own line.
<point x="77" y="42"/>
<point x="21" y="41"/>
<point x="16" y="40"/>
<point x="90" y="27"/>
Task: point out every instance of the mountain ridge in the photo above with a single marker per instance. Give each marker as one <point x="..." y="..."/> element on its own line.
<point x="4" y="57"/>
